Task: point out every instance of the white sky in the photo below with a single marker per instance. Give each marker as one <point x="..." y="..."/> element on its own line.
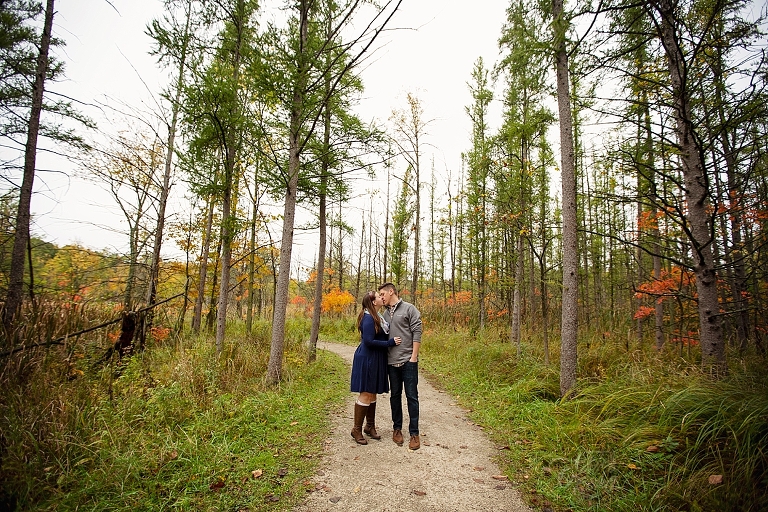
<point x="431" y="54"/>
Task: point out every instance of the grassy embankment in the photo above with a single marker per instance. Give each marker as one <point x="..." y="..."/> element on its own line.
<point x="176" y="429"/>
<point x="180" y="429"/>
<point x="644" y="431"/>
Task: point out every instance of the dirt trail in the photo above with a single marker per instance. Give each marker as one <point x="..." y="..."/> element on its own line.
<point x="453" y="470"/>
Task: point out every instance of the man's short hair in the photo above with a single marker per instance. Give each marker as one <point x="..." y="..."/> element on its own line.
<point x="389" y="286"/>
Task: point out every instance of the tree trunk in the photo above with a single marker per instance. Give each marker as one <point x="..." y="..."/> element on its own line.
<point x="14" y="298"/>
<point x="569" y="327"/>
<point x="227" y="219"/>
<point x="736" y="255"/>
<point x="226" y="252"/>
<point x="516" y="295"/>
<point x="133" y="263"/>
<point x="317" y="303"/>
<point x="452" y="242"/>
<point x="385" y="263"/>
<point x="417" y="226"/>
<point x="696" y="194"/>
<point x="360" y="261"/>
<point x="203" y="271"/>
<point x="318" y="299"/>
<point x="252" y="259"/>
<point x="275" y="364"/>
<point x="519" y="262"/>
<point x="210" y="317"/>
<point x="544" y="305"/>
<point x="651" y="160"/>
<point x="369" y="254"/>
<point x="154" y="269"/>
<point x="340" y="252"/>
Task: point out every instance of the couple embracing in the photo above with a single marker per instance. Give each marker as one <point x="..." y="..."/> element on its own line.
<point x="388" y="356"/>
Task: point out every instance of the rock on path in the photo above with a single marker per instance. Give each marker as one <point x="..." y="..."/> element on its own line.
<point x="453" y="470"/>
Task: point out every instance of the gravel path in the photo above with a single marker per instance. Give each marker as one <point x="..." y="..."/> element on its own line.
<point x="453" y="470"/>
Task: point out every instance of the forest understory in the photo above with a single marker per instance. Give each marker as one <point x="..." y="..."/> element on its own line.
<point x="176" y="427"/>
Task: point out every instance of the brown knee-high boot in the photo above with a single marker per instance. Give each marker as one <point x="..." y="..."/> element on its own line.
<point x="357" y="429"/>
<point x="370" y="422"/>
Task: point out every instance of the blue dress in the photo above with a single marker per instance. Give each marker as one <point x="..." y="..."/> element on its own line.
<point x="369" y="366"/>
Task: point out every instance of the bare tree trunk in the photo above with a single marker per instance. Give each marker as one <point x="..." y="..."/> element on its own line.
<point x="432" y="241"/>
<point x="696" y="194"/>
<point x="227" y="219"/>
<point x="371" y="250"/>
<point x="519" y="262"/>
<point x="226" y="252"/>
<point x="516" y="295"/>
<point x="318" y="299"/>
<point x="275" y="365"/>
<point x="340" y="252"/>
<point x="360" y="261"/>
<point x="154" y="268"/>
<point x="569" y="327"/>
<point x="183" y="313"/>
<point x="203" y="271"/>
<point x="325" y="168"/>
<point x="417" y="228"/>
<point x="252" y="258"/>
<point x="739" y="278"/>
<point x="210" y="318"/>
<point x="651" y="161"/>
<point x="385" y="270"/>
<point x="14" y="298"/>
<point x="451" y="240"/>
<point x="544" y="305"/>
<point x="460" y="237"/>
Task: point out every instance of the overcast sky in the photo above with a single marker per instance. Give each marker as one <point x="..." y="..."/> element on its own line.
<point x="430" y="54"/>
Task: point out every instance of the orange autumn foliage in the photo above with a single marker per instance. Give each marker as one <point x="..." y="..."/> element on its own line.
<point x="159" y="333"/>
<point x="337" y="301"/>
<point x="669" y="284"/>
<point x="298" y="300"/>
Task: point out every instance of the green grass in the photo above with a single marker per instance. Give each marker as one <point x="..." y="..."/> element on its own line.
<point x="177" y="428"/>
<point x="340" y="330"/>
<point x="642" y="431"/>
<point x="183" y="430"/>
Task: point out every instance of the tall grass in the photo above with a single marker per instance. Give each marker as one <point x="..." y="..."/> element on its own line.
<point x="644" y="431"/>
<point x="173" y="427"/>
<point x="176" y="427"/>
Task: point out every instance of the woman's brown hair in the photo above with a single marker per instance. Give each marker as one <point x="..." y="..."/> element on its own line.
<point x="368" y="305"/>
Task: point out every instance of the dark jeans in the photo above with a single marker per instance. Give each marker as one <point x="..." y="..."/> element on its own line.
<point x="406" y="376"/>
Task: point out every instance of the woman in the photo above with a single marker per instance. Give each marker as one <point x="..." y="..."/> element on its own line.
<point x="369" y="366"/>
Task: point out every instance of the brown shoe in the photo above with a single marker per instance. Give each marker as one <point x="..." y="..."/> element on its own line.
<point x="397" y="437"/>
<point x="370" y="422"/>
<point x="357" y="428"/>
<point x="415" y="444"/>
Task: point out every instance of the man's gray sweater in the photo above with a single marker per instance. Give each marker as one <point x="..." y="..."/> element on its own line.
<point x="404" y="321"/>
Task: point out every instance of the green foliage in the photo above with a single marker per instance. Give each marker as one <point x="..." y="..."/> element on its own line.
<point x="19" y="49"/>
<point x="643" y="432"/>
<point x="340" y="330"/>
<point x="42" y="251"/>
<point x="18" y="58"/>
<point x="173" y="427"/>
<point x="401" y="219"/>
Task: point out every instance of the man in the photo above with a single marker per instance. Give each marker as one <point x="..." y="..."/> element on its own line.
<point x="403" y="363"/>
